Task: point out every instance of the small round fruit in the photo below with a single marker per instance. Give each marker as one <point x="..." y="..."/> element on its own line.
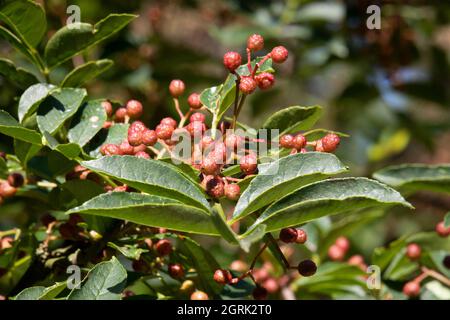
<point x="126" y="148"/>
<point x="196" y="128"/>
<point x="343" y="243"/>
<point x="194" y="101"/>
<point x="142" y="154"/>
<point x="288" y="235"/>
<point x="279" y="54"/>
<point x="442" y="230"/>
<point x="16" y="180"/>
<point x="248" y="164"/>
<point x="411" y="289"/>
<point x="210" y="166"/>
<point x="232" y="60"/>
<point x="108" y="108"/>
<point x="199" y="295"/>
<point x="307" y="268"/>
<point x="163" y="247"/>
<point x="247" y="85"/>
<point x="197" y="116"/>
<point x="215" y="187"/>
<point x="222" y="276"/>
<point x="356" y="260"/>
<point x="287" y="141"/>
<point x="413" y="251"/>
<point x="239" y="265"/>
<point x="176" y="88"/>
<point x="134" y="138"/>
<point x="336" y="253"/>
<point x="168" y="121"/>
<point x="299" y="141"/>
<point x="255" y="42"/>
<point x="234" y="141"/>
<point x="265" y="80"/>
<point x="232" y="191"/>
<point x="260" y="293"/>
<point x="134" y="109"/>
<point x="330" y="142"/>
<point x="110" y="149"/>
<point x="302" y="236"/>
<point x="176" y="270"/>
<point x="149" y="137"/>
<point x="164" y="132"/>
<point x="120" y="114"/>
<point x="271" y="285"/>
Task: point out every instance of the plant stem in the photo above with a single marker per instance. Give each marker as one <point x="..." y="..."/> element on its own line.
<point x="258" y="254"/>
<point x="177" y="107"/>
<point x="236" y="104"/>
<point x="436" y="275"/>
<point x="285" y="261"/>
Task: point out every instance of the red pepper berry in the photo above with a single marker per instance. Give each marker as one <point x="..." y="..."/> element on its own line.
<point x="176" y="88"/>
<point x="442" y="230"/>
<point x="255" y="42"/>
<point x="16" y="180"/>
<point x="222" y="276"/>
<point x="299" y="141"/>
<point x="214" y="186"/>
<point x="259" y="293"/>
<point x="411" y="289"/>
<point x="163" y="247"/>
<point x="199" y="295"/>
<point x="176" y="270"/>
<point x="343" y="243"/>
<point x="142" y="154"/>
<point x="137" y="126"/>
<point x="126" y="148"/>
<point x="134" y="138"/>
<point x="356" y="260"/>
<point x="108" y="108"/>
<point x="120" y="114"/>
<point x="3" y="155"/>
<point x="265" y="80"/>
<point x="248" y="164"/>
<point x="330" y="142"/>
<point x="288" y="235"/>
<point x="232" y="60"/>
<point x="247" y="85"/>
<point x="287" y="141"/>
<point x="197" y="116"/>
<point x="210" y="166"/>
<point x="110" y="150"/>
<point x="271" y="285"/>
<point x="206" y="142"/>
<point x="279" y="54"/>
<point x="196" y="128"/>
<point x="169" y="122"/>
<point x="139" y="148"/>
<point x="149" y="137"/>
<point x="301" y="236"/>
<point x="307" y="268"/>
<point x="336" y="253"/>
<point x="232" y="191"/>
<point x="233" y="141"/>
<point x="413" y="251"/>
<point x="6" y="190"/>
<point x="134" y="109"/>
<point x="194" y="101"/>
<point x="164" y="131"/>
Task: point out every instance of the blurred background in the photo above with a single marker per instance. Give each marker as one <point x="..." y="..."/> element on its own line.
<point x="389" y="89"/>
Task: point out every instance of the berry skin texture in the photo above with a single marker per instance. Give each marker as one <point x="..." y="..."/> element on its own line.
<point x="194" y="101"/>
<point x="307" y="268"/>
<point x="222" y="276"/>
<point x="232" y="192"/>
<point x="247" y="85"/>
<point x="120" y="114"/>
<point x="413" y="251"/>
<point x="265" y="80"/>
<point x="196" y="128"/>
<point x="134" y="138"/>
<point x="134" y="109"/>
<point x="232" y="60"/>
<point x="16" y="180"/>
<point x="149" y="137"/>
<point x="255" y="42"/>
<point x="163" y="247"/>
<point x="442" y="230"/>
<point x="110" y="150"/>
<point x="301" y="236"/>
<point x="288" y="235"/>
<point x="343" y="243"/>
<point x="171" y="122"/>
<point x="279" y="54"/>
<point x="176" y="88"/>
<point x="356" y="260"/>
<point x="336" y="253"/>
<point x="248" y="164"/>
<point x="199" y="295"/>
<point x="260" y="293"/>
<point x="214" y="186"/>
<point x="287" y="141"/>
<point x="176" y="270"/>
<point x="411" y="289"/>
<point x="210" y="166"/>
<point x="142" y="154"/>
<point x="108" y="108"/>
<point x="299" y="142"/>
<point x="330" y="142"/>
<point x="164" y="131"/>
<point x="126" y="148"/>
<point x="197" y="117"/>
<point x="234" y="142"/>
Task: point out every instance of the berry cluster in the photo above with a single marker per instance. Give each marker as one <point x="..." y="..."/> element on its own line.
<point x="298" y="143"/>
<point x="8" y="187"/>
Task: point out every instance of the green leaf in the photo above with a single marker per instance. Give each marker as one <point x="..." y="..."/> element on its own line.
<point x="210" y="98"/>
<point x="149" y="210"/>
<point x="115" y="135"/>
<point x="16" y="43"/>
<point x="69" y="150"/>
<point x="284" y="176"/>
<point x="68" y="42"/>
<point x="87" y="122"/>
<point x="150" y="176"/>
<point x="3" y="169"/>
<point x="105" y="281"/>
<point x="416" y="177"/>
<point x="132" y="252"/>
<point x="25" y="18"/>
<point x="293" y="119"/>
<point x="32" y="293"/>
<point x="203" y="262"/>
<point x="52" y="292"/>
<point x="326" y="198"/>
<point x="447" y="220"/>
<point x="25" y="151"/>
<point x="19" y="76"/>
<point x="82" y="74"/>
<point x="31" y="98"/>
<point x="59" y="106"/>
<point x="10" y="127"/>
